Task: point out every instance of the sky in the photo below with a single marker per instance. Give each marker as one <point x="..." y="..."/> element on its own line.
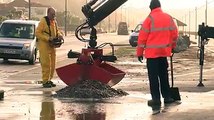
<point x="169" y="4"/>
<point x="184" y="10"/>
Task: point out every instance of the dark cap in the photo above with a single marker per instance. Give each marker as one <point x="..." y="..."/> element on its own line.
<point x="154" y="4"/>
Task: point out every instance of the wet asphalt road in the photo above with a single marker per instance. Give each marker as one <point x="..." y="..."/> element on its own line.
<point x="25" y="99"/>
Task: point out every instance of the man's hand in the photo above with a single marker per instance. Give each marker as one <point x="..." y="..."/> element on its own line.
<point x="140" y="58"/>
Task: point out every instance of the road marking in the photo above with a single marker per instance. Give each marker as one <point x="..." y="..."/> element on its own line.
<point x="3" y="76"/>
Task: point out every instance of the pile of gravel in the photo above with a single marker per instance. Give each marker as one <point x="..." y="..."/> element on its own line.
<point x="182" y="44"/>
<point x="89" y="89"/>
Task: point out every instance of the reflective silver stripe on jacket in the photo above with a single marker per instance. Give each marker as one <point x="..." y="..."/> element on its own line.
<point x="155" y="46"/>
<point x="154" y="29"/>
<point x="141" y="45"/>
<point x="145" y="30"/>
<point x="158" y="46"/>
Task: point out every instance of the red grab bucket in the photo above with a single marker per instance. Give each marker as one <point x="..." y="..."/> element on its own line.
<point x="105" y="73"/>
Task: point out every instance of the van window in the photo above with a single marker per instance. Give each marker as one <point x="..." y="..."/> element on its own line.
<point x="137" y="28"/>
<point x="13" y="30"/>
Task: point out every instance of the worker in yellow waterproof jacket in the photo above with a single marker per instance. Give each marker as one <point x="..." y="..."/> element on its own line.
<point x="46" y="31"/>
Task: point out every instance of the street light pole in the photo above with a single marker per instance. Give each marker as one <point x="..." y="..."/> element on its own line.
<point x="29" y="5"/>
<point x="66" y="2"/>
<point x="206" y="14"/>
<point x="115" y="20"/>
<point x="109" y="24"/>
<point x="121" y="13"/>
<point x="185" y="22"/>
<point x="196" y="24"/>
<point x="189" y="22"/>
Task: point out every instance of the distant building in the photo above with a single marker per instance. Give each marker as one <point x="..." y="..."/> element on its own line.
<point x="6" y="1"/>
<point x="37" y="10"/>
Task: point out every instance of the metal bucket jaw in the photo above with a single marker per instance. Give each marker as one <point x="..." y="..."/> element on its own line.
<point x="88" y="68"/>
<point x="105" y="73"/>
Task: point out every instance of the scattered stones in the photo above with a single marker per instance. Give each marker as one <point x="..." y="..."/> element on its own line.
<point x="89" y="89"/>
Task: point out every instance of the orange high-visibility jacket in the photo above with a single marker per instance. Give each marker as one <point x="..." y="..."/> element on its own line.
<point x="157" y="36"/>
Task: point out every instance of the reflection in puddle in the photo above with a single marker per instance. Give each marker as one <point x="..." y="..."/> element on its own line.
<point x="82" y="111"/>
<point x="47" y="108"/>
<point x="124" y="108"/>
<point x="90" y="116"/>
<point x="47" y="111"/>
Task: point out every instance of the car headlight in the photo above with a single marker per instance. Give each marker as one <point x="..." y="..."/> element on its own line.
<point x="26" y="46"/>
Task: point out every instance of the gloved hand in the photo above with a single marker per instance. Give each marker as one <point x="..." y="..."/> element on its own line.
<point x="140" y="58"/>
<point x="174" y="51"/>
<point x="56" y="42"/>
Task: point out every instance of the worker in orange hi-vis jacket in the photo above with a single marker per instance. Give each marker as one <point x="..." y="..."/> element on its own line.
<point x="157" y="38"/>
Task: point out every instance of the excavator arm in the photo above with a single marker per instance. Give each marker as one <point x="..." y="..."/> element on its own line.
<point x="91" y="63"/>
<point x="95" y="11"/>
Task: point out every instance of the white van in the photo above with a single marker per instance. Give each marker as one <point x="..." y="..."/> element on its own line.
<point x="18" y="40"/>
<point x="134" y="35"/>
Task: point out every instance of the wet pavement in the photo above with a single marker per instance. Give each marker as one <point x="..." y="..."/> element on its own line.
<point x="25" y="99"/>
<point x="29" y="101"/>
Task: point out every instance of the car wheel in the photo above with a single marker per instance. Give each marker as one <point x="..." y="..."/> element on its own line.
<point x="33" y="59"/>
<point x="134" y="45"/>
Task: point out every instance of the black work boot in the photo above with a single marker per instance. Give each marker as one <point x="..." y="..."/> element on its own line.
<point x="168" y="100"/>
<point x="154" y="103"/>
<point x="52" y="84"/>
<point x="47" y="85"/>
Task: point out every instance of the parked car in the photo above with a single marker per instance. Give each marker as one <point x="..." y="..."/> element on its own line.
<point x="122" y="28"/>
<point x="134" y="35"/>
<point x="85" y="31"/>
<point x="18" y="40"/>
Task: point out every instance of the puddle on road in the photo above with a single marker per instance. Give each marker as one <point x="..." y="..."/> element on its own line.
<point x="36" y="105"/>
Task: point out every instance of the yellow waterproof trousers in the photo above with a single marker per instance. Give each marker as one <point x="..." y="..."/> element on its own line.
<point x="47" y="60"/>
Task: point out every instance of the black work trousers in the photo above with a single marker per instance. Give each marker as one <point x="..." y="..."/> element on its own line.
<point x="158" y="77"/>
